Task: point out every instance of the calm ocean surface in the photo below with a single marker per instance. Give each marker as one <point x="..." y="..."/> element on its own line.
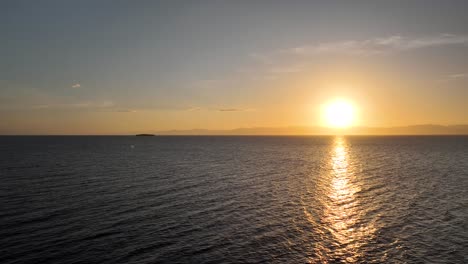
<point x="234" y="199"/>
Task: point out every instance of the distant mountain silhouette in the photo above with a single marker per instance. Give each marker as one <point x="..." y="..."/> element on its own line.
<point x="305" y="130"/>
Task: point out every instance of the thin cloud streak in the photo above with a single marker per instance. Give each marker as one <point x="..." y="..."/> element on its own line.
<point x="454" y="77"/>
<point x="226" y="109"/>
<point x="192" y="109"/>
<point x="379" y="45"/>
<point x="234" y="110"/>
<point x="458" y="76"/>
<point x="276" y="61"/>
<point x="367" y="47"/>
<point x="79" y="105"/>
<point x="229" y="110"/>
<point x="125" y="111"/>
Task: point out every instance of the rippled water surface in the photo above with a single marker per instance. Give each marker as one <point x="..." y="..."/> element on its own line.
<point x="234" y="199"/>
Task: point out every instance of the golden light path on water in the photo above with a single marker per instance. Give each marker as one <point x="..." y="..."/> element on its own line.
<point x="343" y="230"/>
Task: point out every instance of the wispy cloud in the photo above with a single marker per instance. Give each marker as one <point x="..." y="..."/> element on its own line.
<point x="125" y="111"/>
<point x="78" y="105"/>
<point x="294" y="59"/>
<point x="223" y="109"/>
<point x="366" y="47"/>
<point x="458" y="76"/>
<point x="453" y="77"/>
<point x="234" y="109"/>
<point x="76" y="85"/>
<point x="379" y="45"/>
<point x="229" y="110"/>
<point x="191" y="109"/>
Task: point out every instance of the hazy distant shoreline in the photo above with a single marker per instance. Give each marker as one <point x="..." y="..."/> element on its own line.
<point x="416" y="130"/>
<point x="305" y="131"/>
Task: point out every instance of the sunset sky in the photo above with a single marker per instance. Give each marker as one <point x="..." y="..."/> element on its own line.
<point x="117" y="67"/>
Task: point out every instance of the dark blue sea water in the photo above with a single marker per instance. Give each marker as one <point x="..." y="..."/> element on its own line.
<point x="234" y="199"/>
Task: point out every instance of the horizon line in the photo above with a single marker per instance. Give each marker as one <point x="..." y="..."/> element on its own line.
<point x="228" y="135"/>
<point x="406" y="130"/>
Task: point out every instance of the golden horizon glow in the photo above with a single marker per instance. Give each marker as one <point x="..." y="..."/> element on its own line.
<point x="339" y="114"/>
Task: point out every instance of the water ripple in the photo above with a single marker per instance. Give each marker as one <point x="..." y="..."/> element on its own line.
<point x="234" y="200"/>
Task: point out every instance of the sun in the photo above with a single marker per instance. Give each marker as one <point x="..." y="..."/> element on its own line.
<point x="339" y="113"/>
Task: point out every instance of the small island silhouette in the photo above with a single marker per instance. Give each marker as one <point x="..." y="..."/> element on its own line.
<point x="144" y="135"/>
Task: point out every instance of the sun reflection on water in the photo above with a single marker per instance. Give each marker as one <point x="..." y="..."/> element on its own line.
<point x="344" y="232"/>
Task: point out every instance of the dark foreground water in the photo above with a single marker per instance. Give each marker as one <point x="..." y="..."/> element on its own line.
<point x="234" y="199"/>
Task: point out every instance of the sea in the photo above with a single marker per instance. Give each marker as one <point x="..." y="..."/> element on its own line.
<point x="234" y="199"/>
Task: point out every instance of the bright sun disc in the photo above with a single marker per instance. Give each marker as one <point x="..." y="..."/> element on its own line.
<point x="339" y="114"/>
